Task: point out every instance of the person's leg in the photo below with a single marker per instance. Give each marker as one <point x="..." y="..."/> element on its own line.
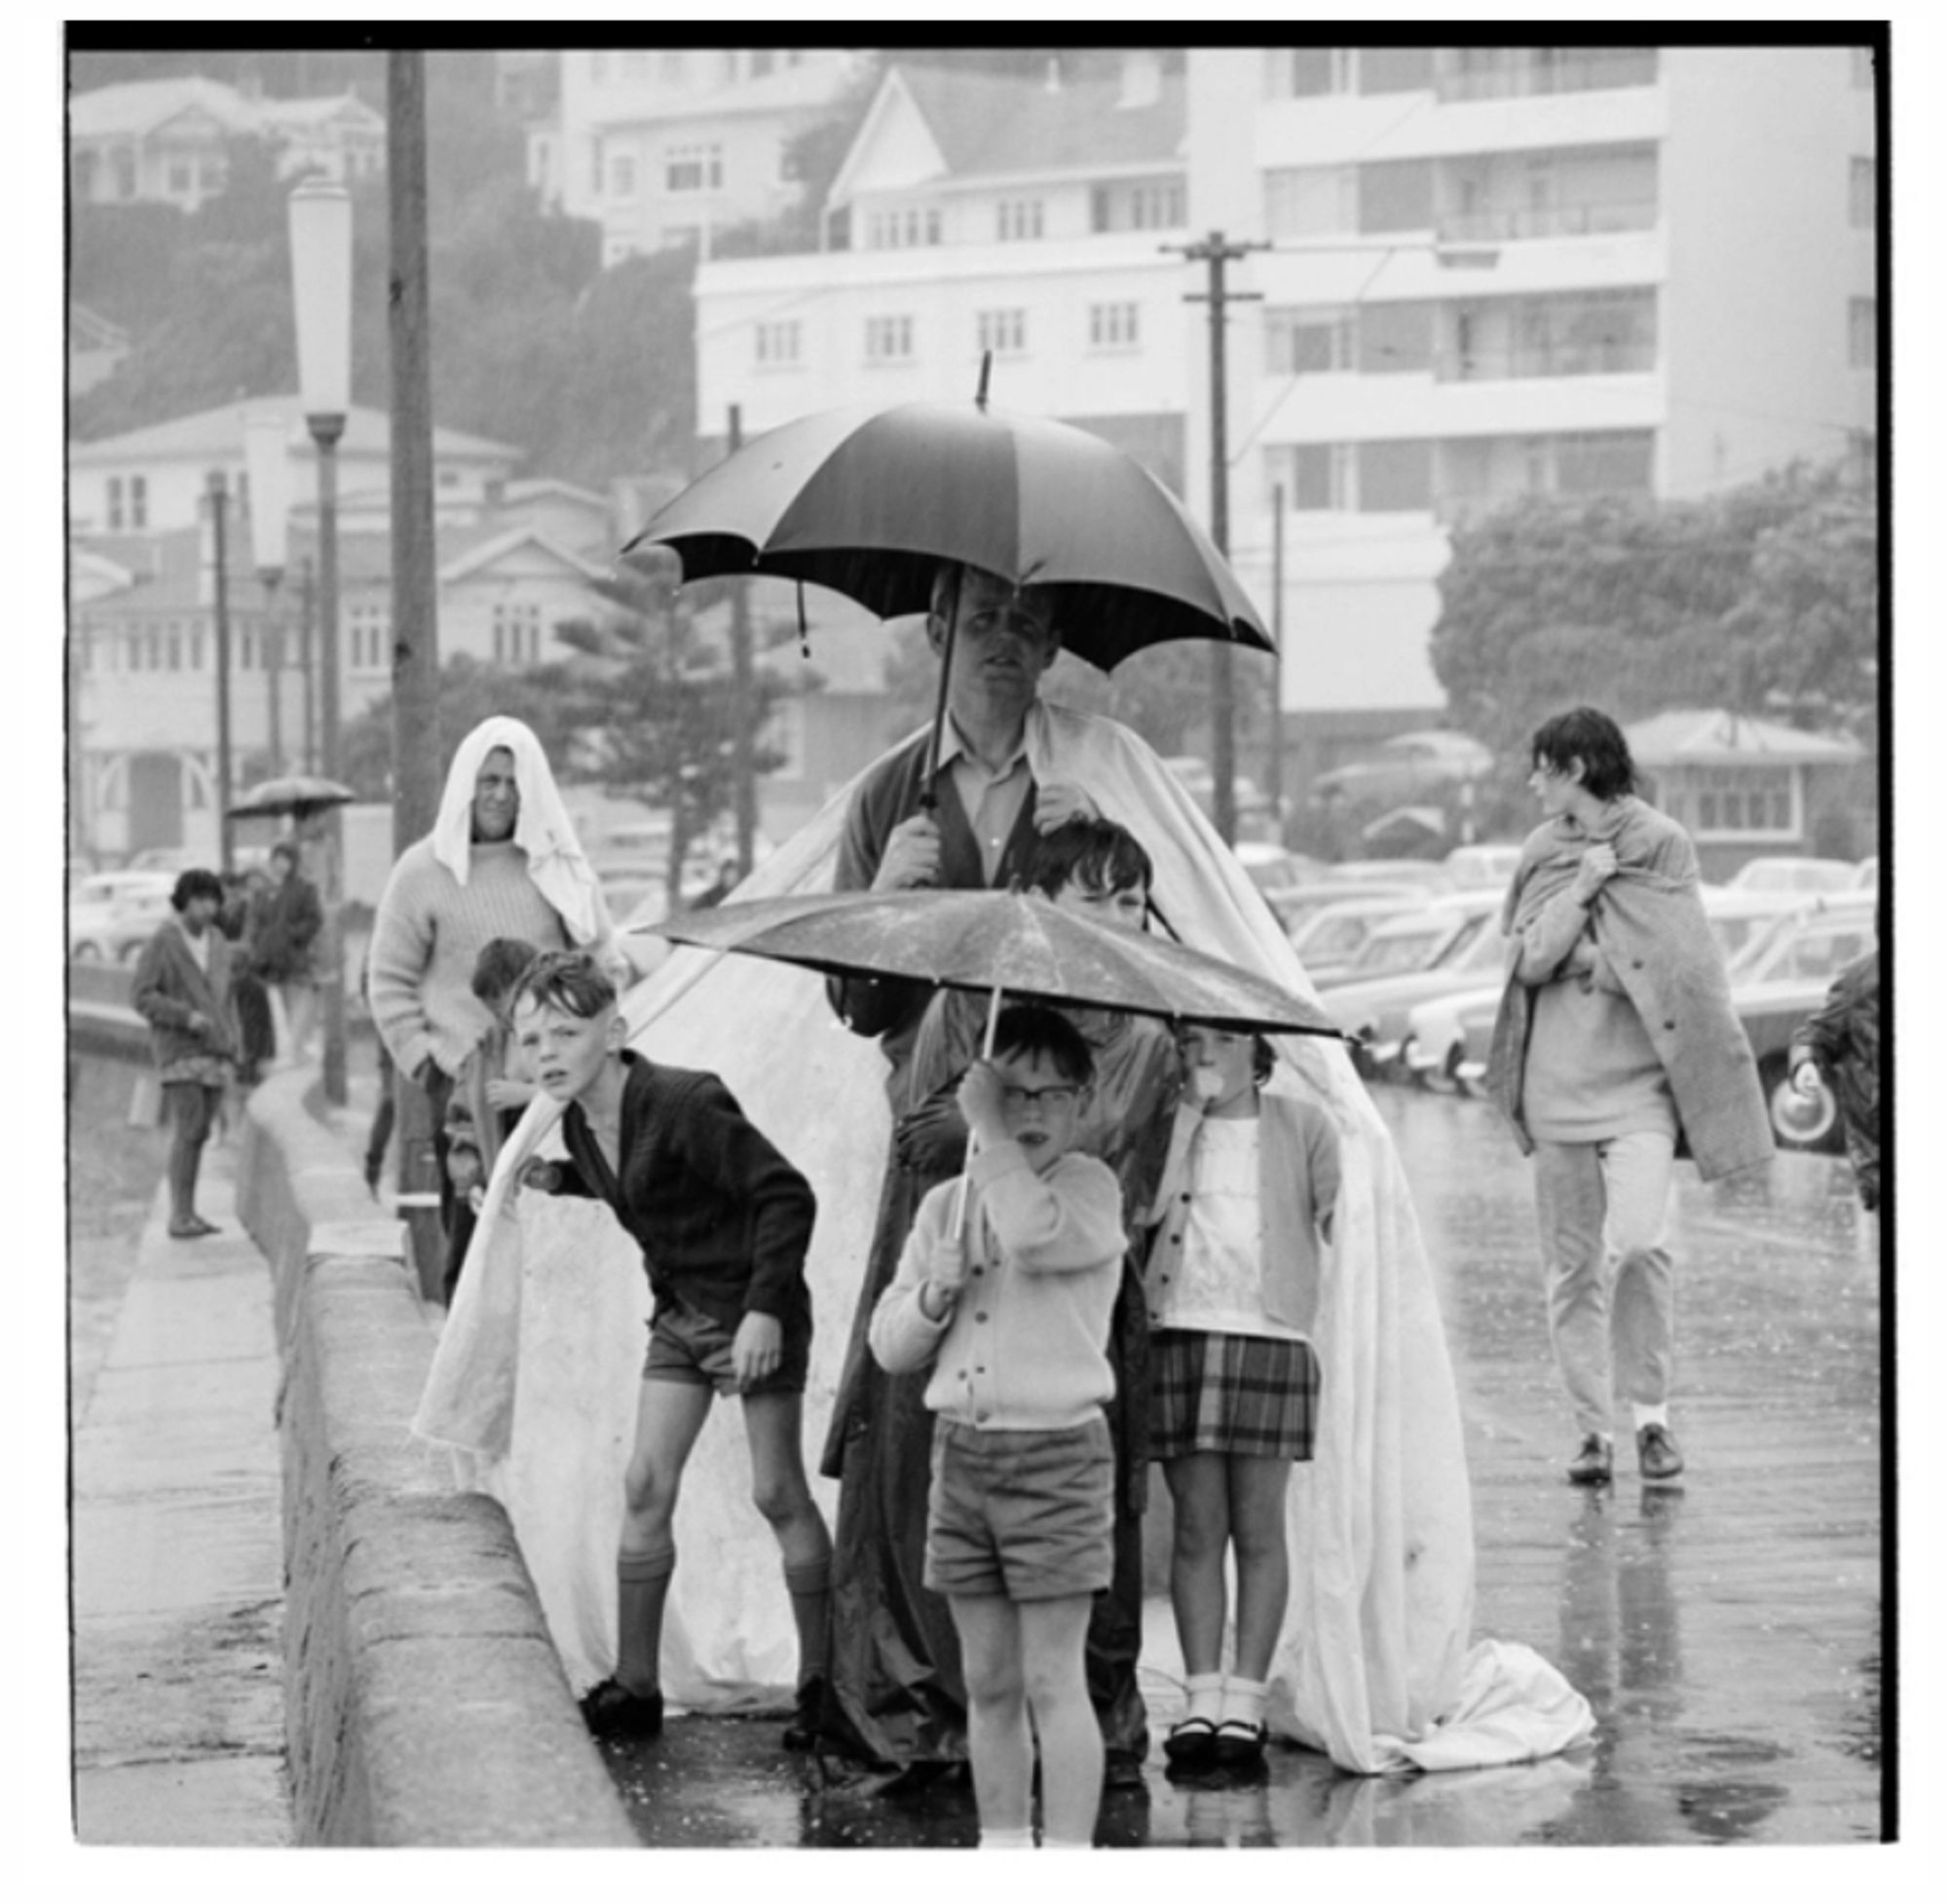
<point x="1201" y="1527"/>
<point x="1056" y="1690"/>
<point x="301" y="1009"/>
<point x="669" y="1416"/>
<point x="1636" y="1183"/>
<point x="1569" y="1218"/>
<point x="999" y="1746"/>
<point x="773" y="1427"/>
<point x="1257" y="1487"/>
<point x="183" y="1102"/>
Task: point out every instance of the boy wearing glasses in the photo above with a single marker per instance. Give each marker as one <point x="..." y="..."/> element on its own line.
<point x="1010" y="1303"/>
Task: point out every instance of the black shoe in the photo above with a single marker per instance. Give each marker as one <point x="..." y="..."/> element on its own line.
<point x="1238" y="1745"/>
<point x="1122" y="1771"/>
<point x="801" y="1735"/>
<point x="1592" y="1466"/>
<point x="1188" y="1743"/>
<point x="612" y="1711"/>
<point x="1658" y="1456"/>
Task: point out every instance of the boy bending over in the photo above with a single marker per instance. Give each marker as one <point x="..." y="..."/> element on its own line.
<point x="1012" y="1308"/>
<point x="722" y="1220"/>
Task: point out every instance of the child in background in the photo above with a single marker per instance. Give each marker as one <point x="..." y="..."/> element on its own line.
<point x="489" y="1094"/>
<point x="1011" y="1306"/>
<point x="1232" y="1280"/>
<point x="1842" y="1040"/>
<point x="723" y="1221"/>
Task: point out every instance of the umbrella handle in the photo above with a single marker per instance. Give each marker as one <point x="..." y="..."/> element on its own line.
<point x="987" y="1053"/>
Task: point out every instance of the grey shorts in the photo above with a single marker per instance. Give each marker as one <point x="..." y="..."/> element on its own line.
<point x="1026" y="1514"/>
<point x="688" y="1346"/>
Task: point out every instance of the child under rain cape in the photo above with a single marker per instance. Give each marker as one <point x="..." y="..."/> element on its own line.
<point x="534" y="1381"/>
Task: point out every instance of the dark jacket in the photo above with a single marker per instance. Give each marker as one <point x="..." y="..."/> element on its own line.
<point x="283" y="924"/>
<point x="1842" y="1037"/>
<point x="169" y="984"/>
<point x="722" y="1220"/>
<point x="890" y="1008"/>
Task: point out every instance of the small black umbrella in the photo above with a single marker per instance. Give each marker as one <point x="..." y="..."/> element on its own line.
<point x="298" y="796"/>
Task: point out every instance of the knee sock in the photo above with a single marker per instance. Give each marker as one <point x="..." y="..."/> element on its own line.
<point x="810" y="1588"/>
<point x="1647" y="1412"/>
<point x="1206" y="1691"/>
<point x="1006" y="1838"/>
<point x="1244" y="1700"/>
<point x="642" y="1585"/>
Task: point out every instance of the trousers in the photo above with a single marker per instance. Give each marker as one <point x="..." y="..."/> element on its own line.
<point x="1603" y="1212"/>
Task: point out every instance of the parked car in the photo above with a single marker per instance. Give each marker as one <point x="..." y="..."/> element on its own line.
<point x="1329" y="941"/>
<point x="1271" y="866"/>
<point x="1409" y="768"/>
<point x="111" y="911"/>
<point x="1867" y="874"/>
<point x="1778" y="983"/>
<point x="1375" y="1009"/>
<point x="1296" y="905"/>
<point x="1430" y="875"/>
<point x="1790" y="874"/>
<point x="1484" y="865"/>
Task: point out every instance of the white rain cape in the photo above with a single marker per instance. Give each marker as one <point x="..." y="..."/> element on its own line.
<point x="535" y="1375"/>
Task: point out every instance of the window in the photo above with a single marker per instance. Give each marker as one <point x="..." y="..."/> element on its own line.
<point x="598" y="68"/>
<point x="180" y="175"/>
<point x="762" y="61"/>
<point x="1311" y="201"/>
<point x="1004" y="332"/>
<point x="1112" y="326"/>
<point x="1396" y="337"/>
<point x="595" y="167"/>
<point x="195" y="651"/>
<point x="1315" y="475"/>
<point x="1742" y="800"/>
<point x="1396" y="475"/>
<point x="672" y="68"/>
<point x="889" y="340"/>
<point x="778" y="342"/>
<point x="903" y="227"/>
<point x="1017" y="218"/>
<point x="1303" y="340"/>
<point x="370" y="628"/>
<point x="622" y="176"/>
<point x="1609" y="462"/>
<point x="123" y="163"/>
<point x="246" y="651"/>
<point x="693" y="167"/>
<point x="1309" y="72"/>
<point x="1147" y="207"/>
<point x="1518" y="72"/>
<point x="517" y="633"/>
<point x="138" y="501"/>
<point x="1397" y="195"/>
<point x="1863" y="349"/>
<point x="1864" y="197"/>
<point x="114" y="502"/>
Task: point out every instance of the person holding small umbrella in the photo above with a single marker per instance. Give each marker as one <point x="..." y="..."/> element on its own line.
<point x="285" y="920"/>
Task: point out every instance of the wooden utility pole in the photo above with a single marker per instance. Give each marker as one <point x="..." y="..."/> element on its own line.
<point x="219" y="496"/>
<point x="1216" y="252"/>
<point x="744" y="707"/>
<point x="415" y="752"/>
<point x="1275" y="752"/>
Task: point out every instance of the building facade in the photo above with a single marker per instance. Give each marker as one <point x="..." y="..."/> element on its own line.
<point x="1477" y="273"/>
<point x="664" y="147"/>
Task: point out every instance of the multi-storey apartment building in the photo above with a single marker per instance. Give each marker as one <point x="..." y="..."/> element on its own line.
<point x="666" y="146"/>
<point x="1488" y="271"/>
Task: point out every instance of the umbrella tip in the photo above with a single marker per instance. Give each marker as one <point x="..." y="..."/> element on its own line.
<point x="980" y="394"/>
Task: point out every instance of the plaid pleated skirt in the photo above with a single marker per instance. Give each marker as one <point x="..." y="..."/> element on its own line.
<point x="1215" y="1393"/>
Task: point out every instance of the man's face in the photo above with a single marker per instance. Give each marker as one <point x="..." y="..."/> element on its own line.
<point x="1004" y="640"/>
<point x="497" y="800"/>
<point x="281" y="868"/>
<point x="1124" y="907"/>
<point x="1041" y="1109"/>
<point x="565" y="1054"/>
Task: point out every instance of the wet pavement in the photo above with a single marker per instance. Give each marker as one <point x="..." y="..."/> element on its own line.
<point x="1727" y="1632"/>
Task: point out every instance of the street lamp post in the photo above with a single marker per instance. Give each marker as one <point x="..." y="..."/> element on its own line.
<point x="219" y="496"/>
<point x="267" y="457"/>
<point x="322" y="295"/>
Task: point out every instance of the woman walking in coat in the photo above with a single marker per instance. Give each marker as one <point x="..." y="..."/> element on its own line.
<point x="182" y="987"/>
<point x="1616" y="1049"/>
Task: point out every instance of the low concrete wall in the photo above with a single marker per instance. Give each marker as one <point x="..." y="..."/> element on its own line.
<point x="424" y="1701"/>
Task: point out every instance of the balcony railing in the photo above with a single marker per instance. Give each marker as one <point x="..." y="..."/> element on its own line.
<point x="1494" y="225"/>
<point x="1603" y="360"/>
<point x="1524" y="75"/>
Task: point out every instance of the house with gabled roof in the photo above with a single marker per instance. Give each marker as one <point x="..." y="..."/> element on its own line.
<point x="978" y="213"/>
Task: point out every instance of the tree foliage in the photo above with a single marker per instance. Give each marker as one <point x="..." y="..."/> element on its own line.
<point x="1763" y="600"/>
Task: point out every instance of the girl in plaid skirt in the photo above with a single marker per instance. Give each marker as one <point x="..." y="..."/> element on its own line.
<point x="1232" y="1282"/>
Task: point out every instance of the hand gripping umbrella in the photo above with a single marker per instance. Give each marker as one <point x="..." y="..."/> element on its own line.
<point x="870" y="503"/>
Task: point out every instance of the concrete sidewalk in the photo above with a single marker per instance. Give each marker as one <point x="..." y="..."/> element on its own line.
<point x="179" y="1550"/>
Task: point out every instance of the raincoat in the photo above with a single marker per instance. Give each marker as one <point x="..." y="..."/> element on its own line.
<point x="1374" y="1663"/>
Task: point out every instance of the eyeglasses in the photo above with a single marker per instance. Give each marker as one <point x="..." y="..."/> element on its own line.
<point x="1057" y="1096"/>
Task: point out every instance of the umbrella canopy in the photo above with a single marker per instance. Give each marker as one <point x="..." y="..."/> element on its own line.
<point x="296" y="795"/>
<point x="870" y="503"/>
<point x="1017" y="942"/>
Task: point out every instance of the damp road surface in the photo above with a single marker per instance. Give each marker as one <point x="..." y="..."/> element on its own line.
<point x="1727" y="1630"/>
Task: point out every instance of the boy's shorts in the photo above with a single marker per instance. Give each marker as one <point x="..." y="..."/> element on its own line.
<point x="1028" y="1513"/>
<point x="688" y="1346"/>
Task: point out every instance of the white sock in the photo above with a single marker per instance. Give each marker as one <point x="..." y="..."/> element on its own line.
<point x="1244" y="1700"/>
<point x="1657" y="1412"/>
<point x="1206" y="1694"/>
<point x="1007" y="1838"/>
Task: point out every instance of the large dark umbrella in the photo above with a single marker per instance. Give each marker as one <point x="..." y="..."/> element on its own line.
<point x="870" y="503"/>
<point x="994" y="942"/>
<point x="300" y="796"/>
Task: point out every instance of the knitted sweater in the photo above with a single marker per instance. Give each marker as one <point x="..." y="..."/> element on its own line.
<point x="428" y="933"/>
<point x="1024" y="1346"/>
